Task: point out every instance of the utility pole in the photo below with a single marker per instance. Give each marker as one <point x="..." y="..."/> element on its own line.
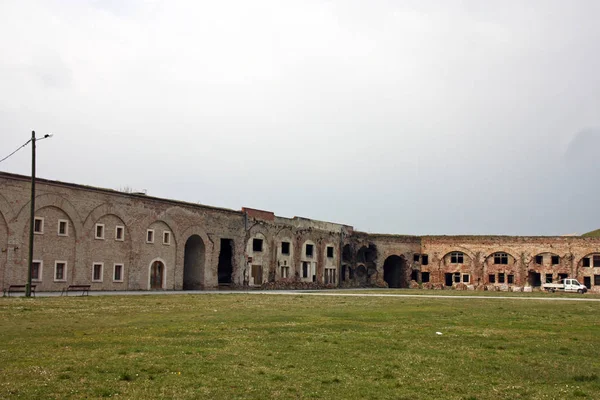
<point x="31" y="217"/>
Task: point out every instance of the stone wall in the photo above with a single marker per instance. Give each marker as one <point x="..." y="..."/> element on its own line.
<point x="172" y="245"/>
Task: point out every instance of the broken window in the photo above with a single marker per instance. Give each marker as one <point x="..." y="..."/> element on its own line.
<point x="424" y="277"/>
<point x="548" y="278"/>
<point x="492" y="278"/>
<point x="586" y="262"/>
<point x="500" y="258"/>
<point x="329" y="251"/>
<point x="285" y="271"/>
<point x="424" y="259"/>
<point x="414" y="275"/>
<point x="285" y="248"/>
<point x="562" y="276"/>
<point x="257" y="245"/>
<point x="466" y="278"/>
<point x="309" y="250"/>
<point x="539" y="260"/>
<point x="596" y="261"/>
<point x="305" y="268"/>
<point x="511" y="279"/>
<point x="555" y="260"/>
<point x="330" y="276"/>
<point x="416" y="257"/>
<point x="457" y="258"/>
<point x="501" y="277"/>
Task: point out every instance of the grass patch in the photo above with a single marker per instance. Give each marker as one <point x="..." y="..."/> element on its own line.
<point x="296" y="347"/>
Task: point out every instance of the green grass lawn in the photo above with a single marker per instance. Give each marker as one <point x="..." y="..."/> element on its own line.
<point x="290" y="347"/>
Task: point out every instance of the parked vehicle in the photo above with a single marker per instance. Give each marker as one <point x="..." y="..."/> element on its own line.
<point x="565" y="285"/>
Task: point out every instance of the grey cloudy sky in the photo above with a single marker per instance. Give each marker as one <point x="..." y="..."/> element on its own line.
<point x="419" y="117"/>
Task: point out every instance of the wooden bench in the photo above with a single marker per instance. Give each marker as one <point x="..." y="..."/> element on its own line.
<point x="84" y="289"/>
<point x="19" y="289"/>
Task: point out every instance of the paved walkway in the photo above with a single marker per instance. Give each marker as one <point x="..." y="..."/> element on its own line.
<point x="345" y="293"/>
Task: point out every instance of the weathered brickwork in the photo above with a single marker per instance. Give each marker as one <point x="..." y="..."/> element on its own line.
<point x="119" y="241"/>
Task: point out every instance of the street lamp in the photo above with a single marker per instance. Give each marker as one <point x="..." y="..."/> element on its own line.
<point x="32" y="213"/>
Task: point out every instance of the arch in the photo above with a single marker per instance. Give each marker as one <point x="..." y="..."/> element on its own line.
<point x="466" y="258"/>
<point x="157" y="274"/>
<point x="6" y="210"/>
<point x="50" y="200"/>
<point x="367" y="254"/>
<point x="493" y="254"/>
<point x="101" y="211"/>
<point x="394" y="271"/>
<point x="194" y="262"/>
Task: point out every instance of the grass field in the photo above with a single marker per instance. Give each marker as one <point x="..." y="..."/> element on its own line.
<point x="267" y="346"/>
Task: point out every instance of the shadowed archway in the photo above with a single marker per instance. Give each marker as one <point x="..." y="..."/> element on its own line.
<point x="193" y="267"/>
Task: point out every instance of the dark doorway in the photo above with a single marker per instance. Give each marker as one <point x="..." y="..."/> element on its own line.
<point x="257" y="274"/>
<point x="587" y="282"/>
<point x="347" y="253"/>
<point x="534" y="279"/>
<point x="448" y="277"/>
<point x="157" y="273"/>
<point x="394" y="272"/>
<point x="344" y="267"/>
<point x="225" y="267"/>
<point x="193" y="263"/>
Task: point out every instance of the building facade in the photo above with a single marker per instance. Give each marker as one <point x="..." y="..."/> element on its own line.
<point x="130" y="241"/>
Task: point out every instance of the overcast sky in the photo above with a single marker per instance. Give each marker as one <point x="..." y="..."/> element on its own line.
<point x="416" y="117"/>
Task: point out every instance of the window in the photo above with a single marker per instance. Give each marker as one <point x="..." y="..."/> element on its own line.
<point x="329" y="251"/>
<point x="456" y="277"/>
<point x="555" y="260"/>
<point x="60" y="271"/>
<point x="492" y="278"/>
<point x="305" y="268"/>
<point x="539" y="260"/>
<point x="150" y="236"/>
<point x="99" y="231"/>
<point x="119" y="233"/>
<point x="424" y="277"/>
<point x="330" y="276"/>
<point x="309" y="250"/>
<point x="38" y="225"/>
<point x="466" y="278"/>
<point x="257" y="245"/>
<point x="548" y="278"/>
<point x="416" y="257"/>
<point x="424" y="259"/>
<point x="36" y="271"/>
<point x="63" y="227"/>
<point x="118" y="273"/>
<point x="457" y="258"/>
<point x="167" y="238"/>
<point x="596" y="260"/>
<point x="501" y="277"/>
<point x="285" y="271"/>
<point x="586" y="262"/>
<point x="285" y="248"/>
<point x="596" y="280"/>
<point x="500" y="258"/>
<point x="562" y="277"/>
<point x="511" y="279"/>
<point x="97" y="272"/>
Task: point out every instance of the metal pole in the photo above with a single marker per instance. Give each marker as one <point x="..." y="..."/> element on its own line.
<point x="31" y="217"/>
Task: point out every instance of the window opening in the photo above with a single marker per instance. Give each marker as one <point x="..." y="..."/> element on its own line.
<point x="257" y="245"/>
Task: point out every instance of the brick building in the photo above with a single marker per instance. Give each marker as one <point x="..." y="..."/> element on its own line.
<point x="130" y="241"/>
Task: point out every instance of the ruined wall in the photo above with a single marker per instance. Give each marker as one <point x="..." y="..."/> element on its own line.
<point x="138" y="242"/>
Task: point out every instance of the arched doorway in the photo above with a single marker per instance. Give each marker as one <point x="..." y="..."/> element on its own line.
<point x="157" y="275"/>
<point x="193" y="263"/>
<point x="394" y="272"/>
